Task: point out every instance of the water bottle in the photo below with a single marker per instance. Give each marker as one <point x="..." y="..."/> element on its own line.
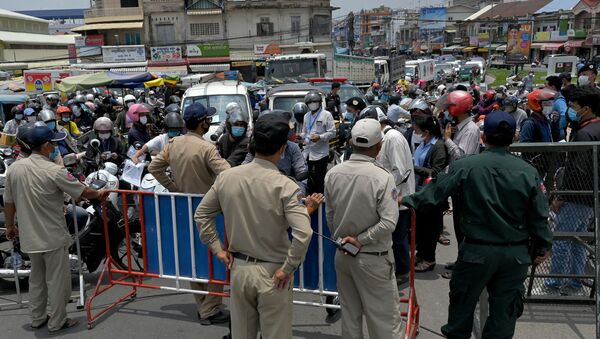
<point x="16" y="261"/>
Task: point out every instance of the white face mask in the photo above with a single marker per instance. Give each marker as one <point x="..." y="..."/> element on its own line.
<point x="547" y="110"/>
<point x="313" y="106"/>
<point x="31" y="119"/>
<point x="583" y="80"/>
<point x="104" y="136"/>
<point x="19" y="116"/>
<point x="143" y="120"/>
<point x="417" y="138"/>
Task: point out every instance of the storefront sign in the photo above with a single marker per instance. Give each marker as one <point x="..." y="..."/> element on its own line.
<point x="271" y="49"/>
<point x="208" y="50"/>
<point x="89" y="45"/>
<point x="128" y="53"/>
<point x="166" y="53"/>
<point x="483" y="39"/>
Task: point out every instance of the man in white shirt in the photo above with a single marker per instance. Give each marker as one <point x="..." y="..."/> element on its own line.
<point x="317" y="130"/>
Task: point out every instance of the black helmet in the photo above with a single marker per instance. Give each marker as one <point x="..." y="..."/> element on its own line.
<point x="300" y="108"/>
<point x="370" y="98"/>
<point x="173" y="108"/>
<point x="372" y="112"/>
<point x="174" y="120"/>
<point x="313" y="96"/>
<point x="174" y="99"/>
<point x="23" y="133"/>
<point x="395" y="99"/>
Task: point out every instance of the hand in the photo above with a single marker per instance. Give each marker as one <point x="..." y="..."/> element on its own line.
<point x="281" y="279"/>
<point x="448" y="131"/>
<point x="135" y="159"/>
<point x="12" y="232"/>
<point x="352" y="240"/>
<point x="225" y="258"/>
<point x="556" y="205"/>
<point x="103" y="194"/>
<point x="114" y="156"/>
<point x="315" y="137"/>
<point x="103" y="156"/>
<point x="313" y="201"/>
<point x="540" y="259"/>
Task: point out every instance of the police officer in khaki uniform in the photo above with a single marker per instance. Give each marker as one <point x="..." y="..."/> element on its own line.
<point x="362" y="209"/>
<point x="259" y="204"/>
<point x="195" y="164"/>
<point x="34" y="194"/>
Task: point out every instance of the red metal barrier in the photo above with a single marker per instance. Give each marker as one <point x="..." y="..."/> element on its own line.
<point x="413" y="313"/>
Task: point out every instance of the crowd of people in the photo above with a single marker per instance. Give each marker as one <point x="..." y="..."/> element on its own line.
<point x="401" y="150"/>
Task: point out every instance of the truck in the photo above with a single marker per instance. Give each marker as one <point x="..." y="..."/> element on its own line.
<point x="389" y="69"/>
<point x="359" y="70"/>
<point x="295" y="68"/>
<point x="421" y="71"/>
<point x="562" y="64"/>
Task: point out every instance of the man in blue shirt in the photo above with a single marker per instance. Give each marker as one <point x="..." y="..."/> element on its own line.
<point x="559" y="109"/>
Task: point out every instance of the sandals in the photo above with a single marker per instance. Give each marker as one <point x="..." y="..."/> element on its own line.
<point x="68" y="324"/>
<point x="443" y="240"/>
<point x="424" y="266"/>
<point x="447" y="275"/>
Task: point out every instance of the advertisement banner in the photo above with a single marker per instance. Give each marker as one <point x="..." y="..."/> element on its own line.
<point x="38" y="81"/>
<point x="483" y="39"/>
<point x="518" y="44"/>
<point x="432" y="22"/>
<point x="267" y="49"/>
<point x="128" y="53"/>
<point x="208" y="50"/>
<point x="89" y="45"/>
<point x="72" y="54"/>
<point x="166" y="53"/>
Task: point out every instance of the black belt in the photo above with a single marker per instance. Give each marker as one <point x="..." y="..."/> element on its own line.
<point x="248" y="258"/>
<point x="379" y="254"/>
<point x="499" y="244"/>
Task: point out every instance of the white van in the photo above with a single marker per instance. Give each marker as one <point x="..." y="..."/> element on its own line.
<point x="218" y="94"/>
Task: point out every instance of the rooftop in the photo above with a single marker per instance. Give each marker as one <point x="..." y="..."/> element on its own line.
<point x="14" y="15"/>
<point x="515" y="9"/>
<point x="49" y="14"/>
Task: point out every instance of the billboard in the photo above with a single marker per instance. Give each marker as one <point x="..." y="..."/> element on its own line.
<point x="89" y="45"/>
<point x="128" y="53"/>
<point x="431" y="25"/>
<point x="208" y="50"/>
<point x="271" y="49"/>
<point x="518" y="44"/>
<point x="166" y="53"/>
<point x="42" y="81"/>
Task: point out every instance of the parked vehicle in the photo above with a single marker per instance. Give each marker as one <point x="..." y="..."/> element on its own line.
<point x="499" y="61"/>
<point x="421" y="71"/>
<point x="295" y="68"/>
<point x="389" y="69"/>
<point x="360" y="70"/>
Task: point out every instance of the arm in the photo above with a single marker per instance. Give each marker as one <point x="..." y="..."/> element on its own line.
<point x="299" y="221"/>
<point x="136" y="157"/>
<point x="436" y="192"/>
<point x="526" y="132"/>
<point x="239" y="154"/>
<point x="329" y="129"/>
<point x="74" y="130"/>
<point x="249" y="158"/>
<point x="205" y="220"/>
<point x="398" y="167"/>
<point x="468" y="144"/>
<point x="10" y="210"/>
<point x="158" y="166"/>
<point x="299" y="164"/>
<point x="387" y="209"/>
<point x="439" y="161"/>
<point x="215" y="162"/>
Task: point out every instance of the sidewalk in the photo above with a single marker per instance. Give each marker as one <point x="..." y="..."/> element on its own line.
<point x="156" y="314"/>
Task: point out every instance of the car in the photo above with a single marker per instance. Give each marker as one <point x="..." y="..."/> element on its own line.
<point x="218" y="94"/>
<point x="499" y="61"/>
<point x="547" y="57"/>
<point x="286" y="96"/>
<point x="446" y="71"/>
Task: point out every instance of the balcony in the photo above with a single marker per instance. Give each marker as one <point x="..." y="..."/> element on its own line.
<point x="97" y="15"/>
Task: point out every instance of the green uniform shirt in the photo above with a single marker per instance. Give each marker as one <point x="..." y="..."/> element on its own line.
<point x="503" y="198"/>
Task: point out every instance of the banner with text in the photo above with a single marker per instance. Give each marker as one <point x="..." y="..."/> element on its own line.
<point x="208" y="50"/>
<point x="166" y="53"/>
<point x="271" y="49"/>
<point x="128" y="53"/>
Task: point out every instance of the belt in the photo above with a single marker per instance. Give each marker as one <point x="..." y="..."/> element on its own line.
<point x="379" y="254"/>
<point x="499" y="244"/>
<point x="248" y="258"/>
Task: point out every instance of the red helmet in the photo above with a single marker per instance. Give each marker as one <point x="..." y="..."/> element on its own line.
<point x="489" y="94"/>
<point x="459" y="102"/>
<point x="535" y="98"/>
<point x="62" y="109"/>
<point x="376" y="85"/>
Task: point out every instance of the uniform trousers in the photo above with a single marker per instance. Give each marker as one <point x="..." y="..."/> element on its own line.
<point x="400" y="244"/>
<point x="257" y="305"/>
<point x="50" y="287"/>
<point x="502" y="269"/>
<point x="316" y="175"/>
<point x="367" y="286"/>
<point x="207" y="305"/>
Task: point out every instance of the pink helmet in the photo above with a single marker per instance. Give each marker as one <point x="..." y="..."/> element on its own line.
<point x="133" y="113"/>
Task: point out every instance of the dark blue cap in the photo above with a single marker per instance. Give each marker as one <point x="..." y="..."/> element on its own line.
<point x="494" y="121"/>
<point x="41" y="134"/>
<point x="587" y="67"/>
<point x="197" y="111"/>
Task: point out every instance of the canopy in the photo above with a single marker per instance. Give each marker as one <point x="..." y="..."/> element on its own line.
<point x="81" y="82"/>
<point x="129" y="79"/>
<point x="160" y="82"/>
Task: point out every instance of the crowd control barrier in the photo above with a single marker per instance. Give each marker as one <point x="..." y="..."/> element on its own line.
<point x="172" y="255"/>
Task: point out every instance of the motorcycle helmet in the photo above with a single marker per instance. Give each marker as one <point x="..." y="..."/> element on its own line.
<point x="129" y="99"/>
<point x="370" y="98"/>
<point x="300" y="108"/>
<point x="313" y="96"/>
<point x="456" y="102"/>
<point x="238" y="116"/>
<point x="103" y="124"/>
<point x="421" y="105"/>
<point x="111" y="168"/>
<point x="538" y="96"/>
<point x="61" y="110"/>
<point x="232" y="107"/>
<point x="376" y="85"/>
<point x="47" y="115"/>
<point x="489" y="95"/>
<point x="79" y="99"/>
<point x="372" y="112"/>
<point x="173" y="108"/>
<point x="395" y="99"/>
<point x="174" y="99"/>
<point x="510" y="104"/>
<point x="174" y="121"/>
<point x="133" y="113"/>
<point x="89" y="97"/>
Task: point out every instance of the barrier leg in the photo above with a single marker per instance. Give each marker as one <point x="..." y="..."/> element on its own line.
<point x="413" y="313"/>
<point x="81" y="301"/>
<point x="16" y="274"/>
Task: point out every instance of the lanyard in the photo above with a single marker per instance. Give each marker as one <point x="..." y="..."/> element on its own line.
<point x="310" y="126"/>
<point x="593" y="121"/>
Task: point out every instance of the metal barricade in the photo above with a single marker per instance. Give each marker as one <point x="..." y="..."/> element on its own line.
<point x="171" y="251"/>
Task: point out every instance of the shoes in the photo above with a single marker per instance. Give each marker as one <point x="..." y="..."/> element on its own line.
<point x="401" y="279"/>
<point x="450" y="265"/>
<point x="68" y="324"/>
<point x="424" y="266"/>
<point x="219" y="318"/>
<point x="572" y="291"/>
<point x="550" y="290"/>
<point x="37" y="327"/>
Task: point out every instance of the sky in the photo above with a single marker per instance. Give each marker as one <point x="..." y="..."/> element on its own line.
<point x="346" y="5"/>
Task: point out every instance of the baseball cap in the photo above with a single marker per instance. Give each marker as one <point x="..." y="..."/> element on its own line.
<point x="494" y="121"/>
<point x="197" y="111"/>
<point x="588" y="67"/>
<point x="366" y="133"/>
<point x="28" y="111"/>
<point x="271" y="128"/>
<point x="356" y="102"/>
<point x="41" y="134"/>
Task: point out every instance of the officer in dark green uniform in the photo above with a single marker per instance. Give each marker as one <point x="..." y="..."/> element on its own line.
<point x="505" y="209"/>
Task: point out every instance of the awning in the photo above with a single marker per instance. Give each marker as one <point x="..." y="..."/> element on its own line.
<point x="574" y="43"/>
<point x="203" y="11"/>
<point x="159" y="82"/>
<point x="453" y="48"/>
<point x="81" y="82"/>
<point x="537" y="45"/>
<point x="482" y="50"/>
<point x="108" y="26"/>
<point x="179" y="70"/>
<point x="128" y="69"/>
<point x="109" y="65"/>
<point x="242" y="55"/>
<point x="35" y="39"/>
<point x="549" y="46"/>
<point x="13" y="65"/>
<point x="469" y="49"/>
<point x="209" y="68"/>
<point x="215" y="60"/>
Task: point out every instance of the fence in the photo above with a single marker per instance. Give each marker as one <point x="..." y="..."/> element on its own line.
<point x="171" y="251"/>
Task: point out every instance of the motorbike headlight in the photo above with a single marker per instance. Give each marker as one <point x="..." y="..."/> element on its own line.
<point x="7" y="152"/>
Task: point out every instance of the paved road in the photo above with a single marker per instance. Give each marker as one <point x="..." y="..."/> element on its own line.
<point x="157" y="314"/>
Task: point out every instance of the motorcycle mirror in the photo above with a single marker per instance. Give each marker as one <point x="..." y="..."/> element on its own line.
<point x="138" y="146"/>
<point x="95" y="143"/>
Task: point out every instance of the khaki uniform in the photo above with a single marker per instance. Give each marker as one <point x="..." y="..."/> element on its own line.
<point x="361" y="202"/>
<point x="259" y="204"/>
<point x="195" y="163"/>
<point x="36" y="186"/>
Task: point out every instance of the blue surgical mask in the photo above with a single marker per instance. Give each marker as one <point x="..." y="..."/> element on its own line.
<point x="573" y="115"/>
<point x="54" y="154"/>
<point x="51" y="124"/>
<point x="66" y="119"/>
<point x="237" y="131"/>
<point x="172" y="134"/>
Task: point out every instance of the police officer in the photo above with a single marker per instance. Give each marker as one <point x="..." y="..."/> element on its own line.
<point x="195" y="164"/>
<point x="34" y="194"/>
<point x="497" y="230"/>
<point x="261" y="258"/>
<point x="333" y="101"/>
<point x="362" y="209"/>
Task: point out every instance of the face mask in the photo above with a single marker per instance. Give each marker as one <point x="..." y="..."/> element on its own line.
<point x="66" y="119"/>
<point x="54" y="154"/>
<point x="349" y="116"/>
<point x="447" y="116"/>
<point x="77" y="113"/>
<point x="19" y="116"/>
<point x="51" y="124"/>
<point x="104" y="136"/>
<point x="129" y="104"/>
<point x="314" y="106"/>
<point x="31" y="119"/>
<point x="417" y="138"/>
<point x="172" y="134"/>
<point x="143" y="120"/>
<point x="583" y="80"/>
<point x="573" y="115"/>
<point x="237" y="131"/>
<point x="547" y="110"/>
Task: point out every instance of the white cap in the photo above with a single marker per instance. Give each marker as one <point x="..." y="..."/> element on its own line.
<point x="366" y="133"/>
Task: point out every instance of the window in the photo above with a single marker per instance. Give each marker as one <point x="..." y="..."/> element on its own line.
<point x="321" y="25"/>
<point x="129" y="3"/>
<point x="450" y="18"/>
<point x="264" y="27"/>
<point x="133" y="38"/>
<point x="211" y="28"/>
<point x="295" y="25"/>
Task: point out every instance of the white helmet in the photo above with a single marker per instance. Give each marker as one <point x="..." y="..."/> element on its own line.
<point x="441" y="88"/>
<point x="232" y="107"/>
<point x="103" y="124"/>
<point x="405" y="103"/>
<point x="120" y="101"/>
<point x="129" y="97"/>
<point x="111" y="168"/>
<point x="89" y="97"/>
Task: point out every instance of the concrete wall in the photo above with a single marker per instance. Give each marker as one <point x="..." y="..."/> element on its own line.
<point x="34" y="54"/>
